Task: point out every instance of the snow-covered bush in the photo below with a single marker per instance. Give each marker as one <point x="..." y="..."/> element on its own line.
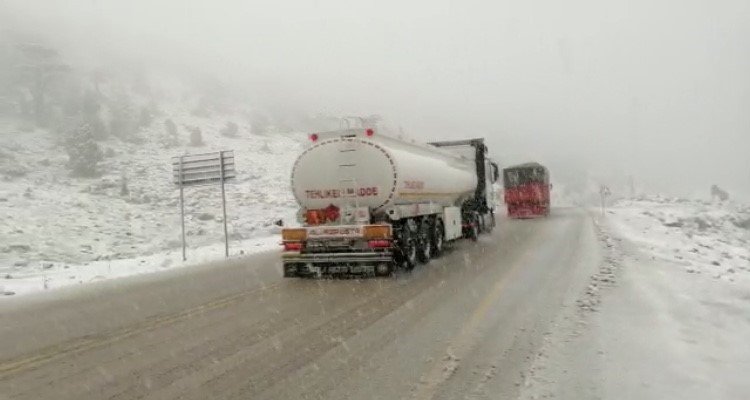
<point x="123" y="123"/>
<point x="196" y="137"/>
<point x="84" y="154"/>
<point x="202" y="109"/>
<point x="145" y="118"/>
<point x="90" y="107"/>
<point x="98" y="127"/>
<point x="230" y="130"/>
<point x="260" y="123"/>
<point x="124" y="190"/>
<point x="172" y="137"/>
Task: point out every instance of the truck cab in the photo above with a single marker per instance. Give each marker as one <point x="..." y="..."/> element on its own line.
<point x="527" y="190"/>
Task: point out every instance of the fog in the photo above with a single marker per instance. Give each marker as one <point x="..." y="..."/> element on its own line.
<point x="659" y="91"/>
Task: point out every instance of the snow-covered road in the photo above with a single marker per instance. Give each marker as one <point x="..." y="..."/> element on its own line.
<point x="465" y="325"/>
<point x="577" y="306"/>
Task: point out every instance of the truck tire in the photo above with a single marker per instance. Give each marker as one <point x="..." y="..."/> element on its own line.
<point x="474" y="232"/>
<point x="424" y="241"/>
<point x="474" y="227"/>
<point x="488" y="222"/>
<point x="383" y="269"/>
<point x="288" y="273"/>
<point x="407" y="242"/>
<point x="438" y="238"/>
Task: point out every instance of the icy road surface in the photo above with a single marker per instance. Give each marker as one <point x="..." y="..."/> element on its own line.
<point x="464" y="326"/>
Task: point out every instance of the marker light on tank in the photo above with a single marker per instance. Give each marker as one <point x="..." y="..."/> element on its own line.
<point x="369" y="132"/>
<point x="314" y="137"/>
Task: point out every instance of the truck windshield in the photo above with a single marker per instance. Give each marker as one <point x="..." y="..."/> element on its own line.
<point x="522" y="176"/>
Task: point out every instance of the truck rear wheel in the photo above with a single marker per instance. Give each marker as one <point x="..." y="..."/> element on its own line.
<point x="438" y="238"/>
<point x="407" y="242"/>
<point x="424" y="241"/>
<point x="290" y="271"/>
<point x="383" y="269"/>
<point x="488" y="222"/>
<point x="472" y="230"/>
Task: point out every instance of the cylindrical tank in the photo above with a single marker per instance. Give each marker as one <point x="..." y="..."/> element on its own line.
<point x="379" y="171"/>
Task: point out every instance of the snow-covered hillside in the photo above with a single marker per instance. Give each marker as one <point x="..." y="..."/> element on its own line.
<point x="52" y="224"/>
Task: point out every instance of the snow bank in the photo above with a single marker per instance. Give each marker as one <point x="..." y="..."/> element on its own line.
<point x="47" y="275"/>
<point x="703" y="238"/>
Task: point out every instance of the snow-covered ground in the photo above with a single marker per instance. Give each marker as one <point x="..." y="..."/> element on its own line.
<point x="50" y="275"/>
<point x="701" y="237"/>
<point x="63" y="230"/>
<point x="667" y="316"/>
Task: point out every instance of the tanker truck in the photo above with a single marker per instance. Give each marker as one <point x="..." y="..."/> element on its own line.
<point x="371" y="204"/>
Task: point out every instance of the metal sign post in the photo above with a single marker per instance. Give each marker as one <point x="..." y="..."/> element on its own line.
<point x="604" y="192"/>
<point x="182" y="209"/>
<point x="224" y="204"/>
<point x="204" y="169"/>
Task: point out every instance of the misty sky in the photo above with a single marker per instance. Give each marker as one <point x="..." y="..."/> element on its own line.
<point x="656" y="89"/>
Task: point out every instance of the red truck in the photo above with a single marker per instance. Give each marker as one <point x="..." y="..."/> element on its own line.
<point x="527" y="190"/>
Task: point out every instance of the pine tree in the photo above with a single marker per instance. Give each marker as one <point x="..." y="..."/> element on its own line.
<point x="90" y="107"/>
<point x="123" y="123"/>
<point x="196" y="136"/>
<point x="40" y="69"/>
<point x="172" y="136"/>
<point x="84" y="154"/>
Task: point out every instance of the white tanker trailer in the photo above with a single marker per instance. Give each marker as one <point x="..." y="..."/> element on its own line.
<point x="370" y="203"/>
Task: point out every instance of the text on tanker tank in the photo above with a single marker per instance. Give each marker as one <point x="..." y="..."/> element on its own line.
<point x="414" y="185"/>
<point x="336" y="193"/>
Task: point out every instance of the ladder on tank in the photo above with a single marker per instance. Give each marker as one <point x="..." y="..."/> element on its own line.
<point x="347" y="183"/>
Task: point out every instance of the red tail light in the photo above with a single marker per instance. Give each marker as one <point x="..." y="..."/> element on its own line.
<point x="315" y="217"/>
<point x="369" y="132"/>
<point x="378" y="244"/>
<point x="332" y="213"/>
<point x="314" y="137"/>
<point x="321" y="216"/>
<point x="292" y="246"/>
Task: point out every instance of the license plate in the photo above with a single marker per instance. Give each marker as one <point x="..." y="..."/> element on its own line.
<point x="351" y="231"/>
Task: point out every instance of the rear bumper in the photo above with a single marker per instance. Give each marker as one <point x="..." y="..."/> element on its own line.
<point x="528" y="210"/>
<point x="329" y="258"/>
<point x="316" y="264"/>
